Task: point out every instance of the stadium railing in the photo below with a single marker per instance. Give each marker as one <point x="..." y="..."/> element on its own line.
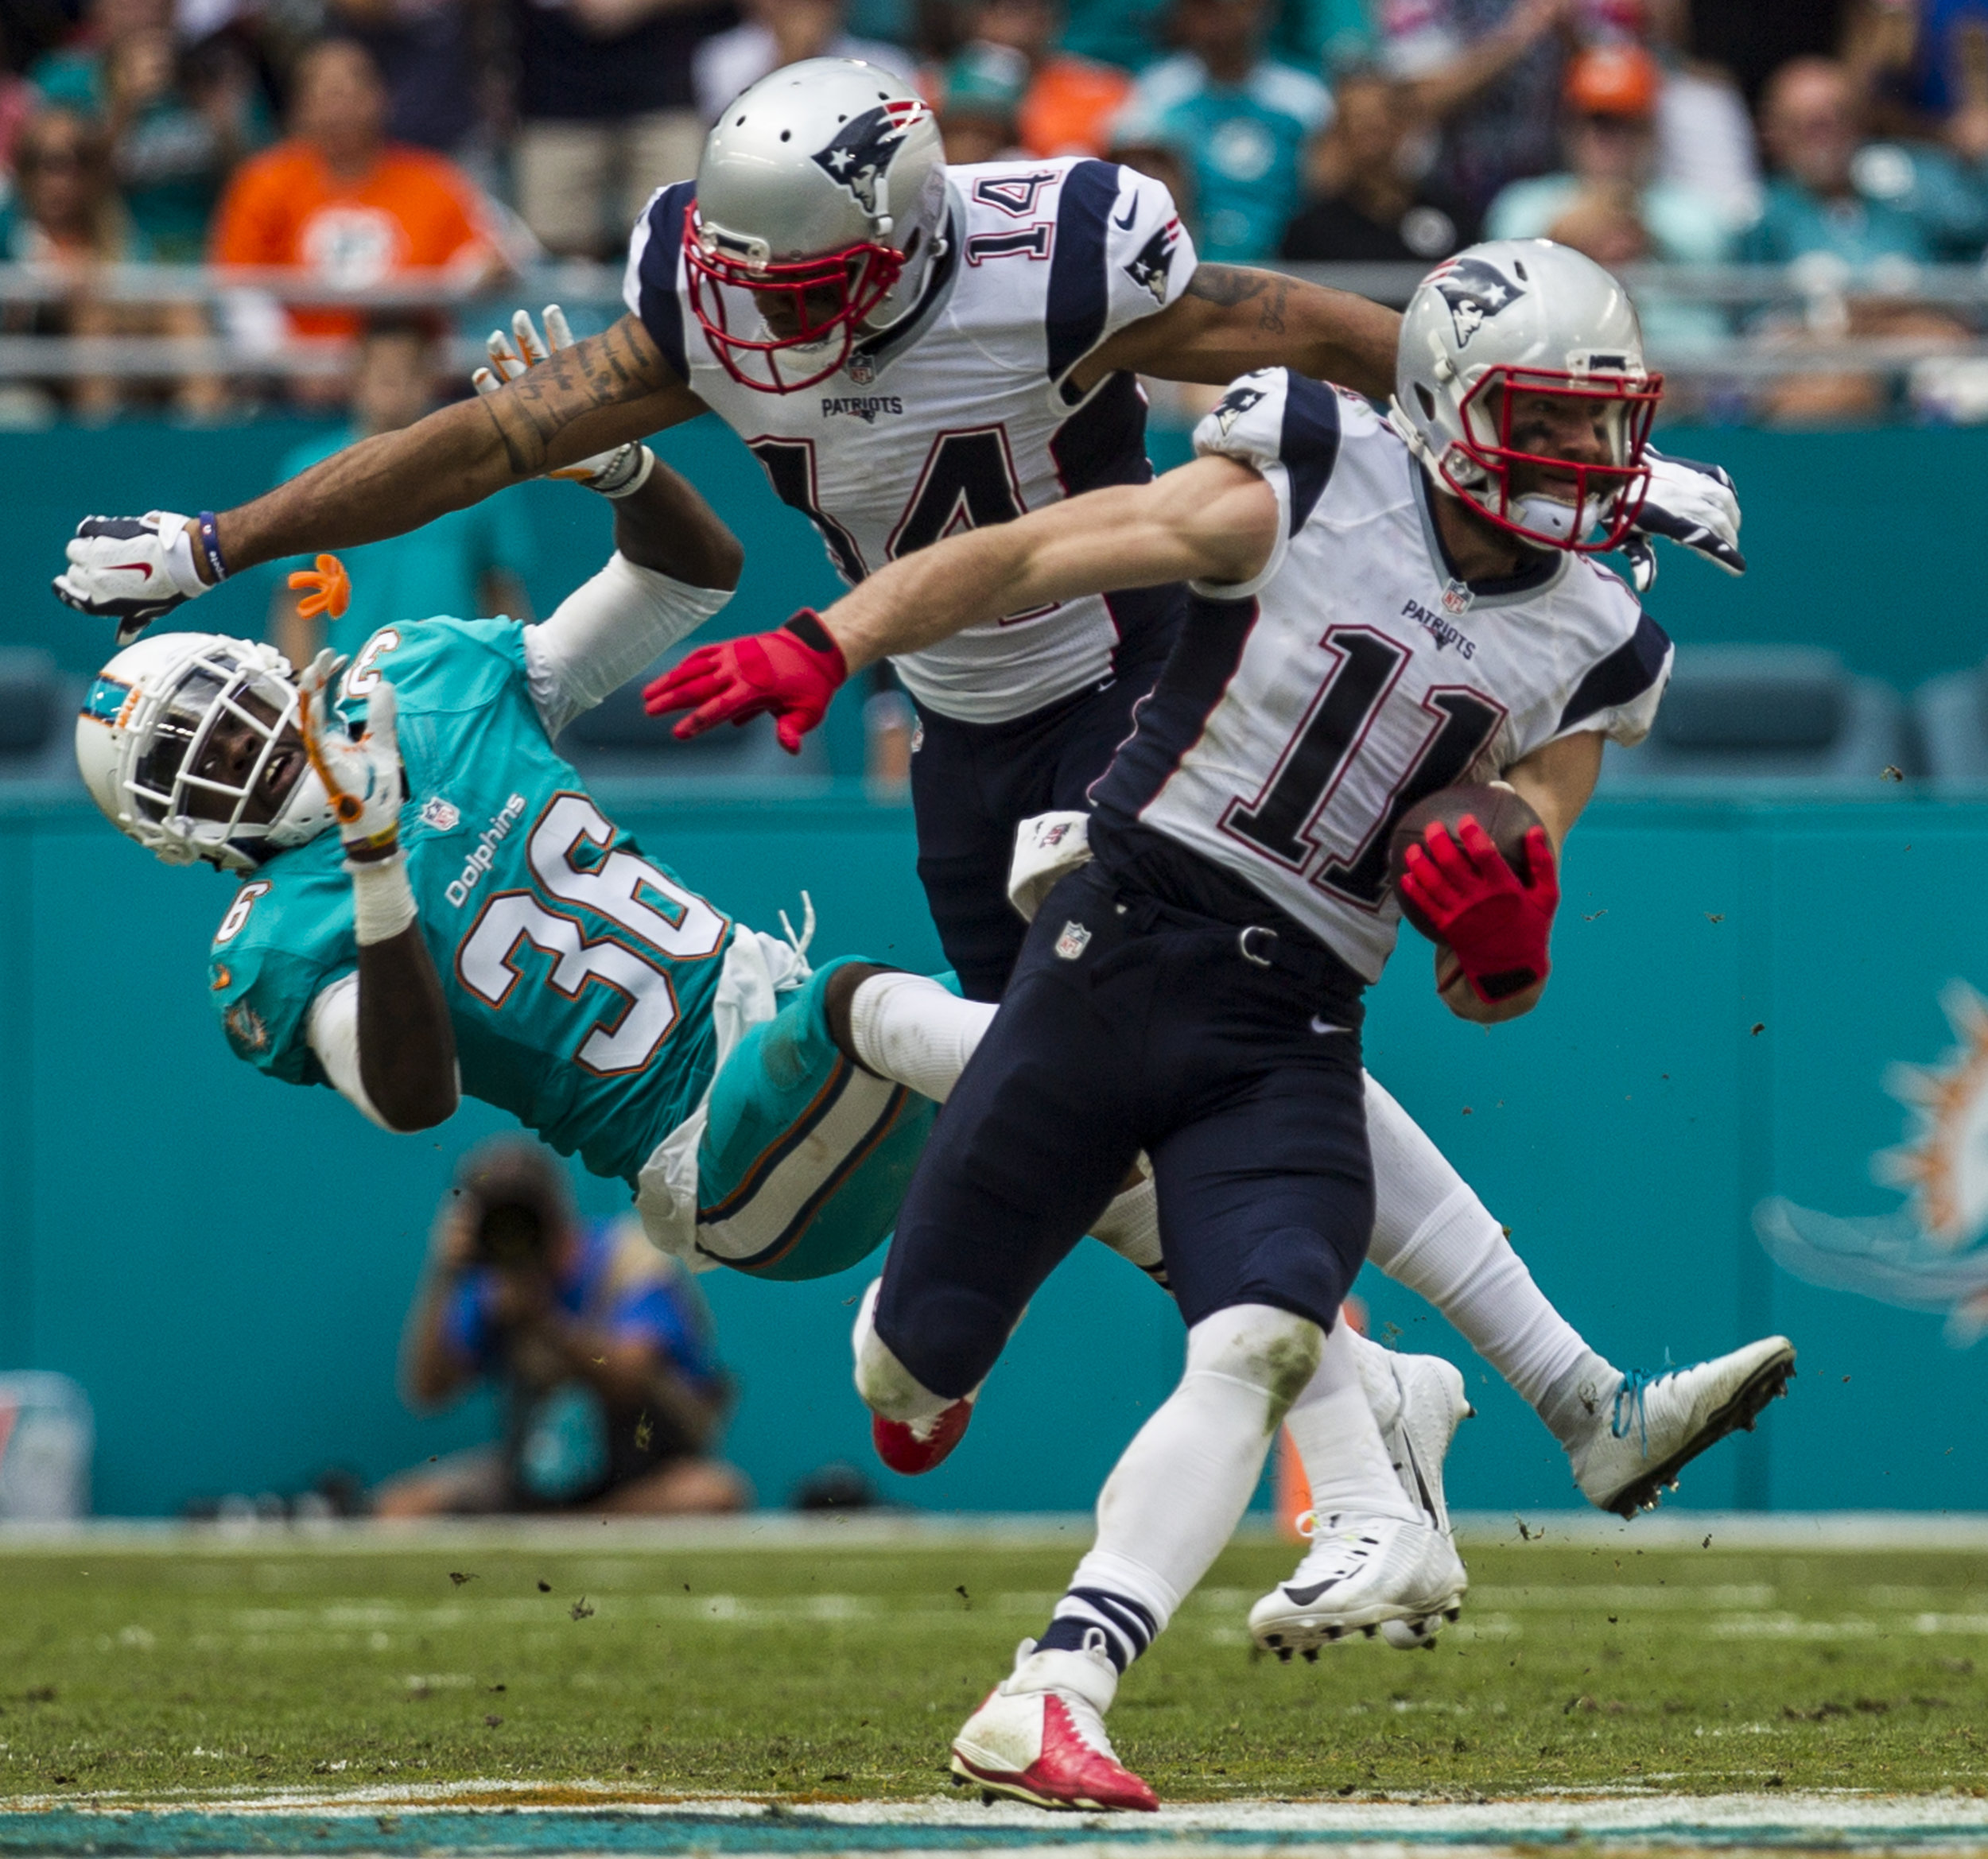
<point x="1741" y="324"/>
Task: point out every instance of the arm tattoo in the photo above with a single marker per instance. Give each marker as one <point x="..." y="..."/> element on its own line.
<point x="1230" y="285"/>
<point x="1226" y="284"/>
<point x="1271" y="321"/>
<point x="598" y="372"/>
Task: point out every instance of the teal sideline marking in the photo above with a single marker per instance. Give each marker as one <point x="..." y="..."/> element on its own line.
<point x="142" y="1834"/>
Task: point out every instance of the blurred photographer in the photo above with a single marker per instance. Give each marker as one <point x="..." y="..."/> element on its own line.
<point x="598" y="1344"/>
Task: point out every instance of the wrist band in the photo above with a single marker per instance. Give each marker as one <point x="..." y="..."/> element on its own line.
<point x="624" y="477"/>
<point x="383" y="899"/>
<point x="807" y="628"/>
<point x="211" y="545"/>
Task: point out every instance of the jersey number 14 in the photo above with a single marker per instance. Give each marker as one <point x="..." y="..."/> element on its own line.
<point x="969" y="482"/>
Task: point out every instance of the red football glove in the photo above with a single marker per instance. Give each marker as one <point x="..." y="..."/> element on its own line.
<point x="1497" y="925"/>
<point x="793" y="673"/>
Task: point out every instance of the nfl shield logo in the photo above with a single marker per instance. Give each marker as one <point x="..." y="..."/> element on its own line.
<point x="860" y="370"/>
<point x="444" y="816"/>
<point x="1074" y="941"/>
<point x="1457" y="598"/>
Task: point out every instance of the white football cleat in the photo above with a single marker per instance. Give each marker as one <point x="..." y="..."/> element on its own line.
<point x="1039" y="1736"/>
<point x="1360" y="1573"/>
<point x="1648" y="1427"/>
<point x="1419" y="1402"/>
<point x="1419" y="1417"/>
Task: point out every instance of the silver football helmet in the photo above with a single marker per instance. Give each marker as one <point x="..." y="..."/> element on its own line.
<point x="186" y="738"/>
<point x="821" y="206"/>
<point x="1507" y="348"/>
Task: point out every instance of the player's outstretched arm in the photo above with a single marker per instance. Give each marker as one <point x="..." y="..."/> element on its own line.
<point x="668" y="528"/>
<point x="1213" y="520"/>
<point x="674" y="565"/>
<point x="1232" y="320"/>
<point x="600" y="394"/>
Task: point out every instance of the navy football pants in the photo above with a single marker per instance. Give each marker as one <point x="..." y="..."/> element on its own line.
<point x="1165" y="1040"/>
<point x="973" y="783"/>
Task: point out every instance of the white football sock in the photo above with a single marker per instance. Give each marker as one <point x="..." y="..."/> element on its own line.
<point x="1176" y="1494"/>
<point x="910" y="1030"/>
<point x="1333" y="1426"/>
<point x="1432" y="1234"/>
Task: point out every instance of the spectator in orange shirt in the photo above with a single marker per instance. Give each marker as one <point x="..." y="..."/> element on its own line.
<point x="340" y="201"/>
<point x="1066" y="103"/>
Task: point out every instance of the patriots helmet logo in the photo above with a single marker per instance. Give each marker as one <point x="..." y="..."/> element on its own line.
<point x="1153" y="267"/>
<point x="1475" y="291"/>
<point x="865" y="146"/>
<point x="1234" y="405"/>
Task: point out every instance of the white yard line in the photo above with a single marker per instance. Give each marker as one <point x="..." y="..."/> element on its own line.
<point x="1777" y="1813"/>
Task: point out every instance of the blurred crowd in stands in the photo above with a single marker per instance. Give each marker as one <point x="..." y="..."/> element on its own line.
<point x="358" y="143"/>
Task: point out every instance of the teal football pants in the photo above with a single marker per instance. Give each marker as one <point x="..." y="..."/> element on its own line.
<point x="806" y="1156"/>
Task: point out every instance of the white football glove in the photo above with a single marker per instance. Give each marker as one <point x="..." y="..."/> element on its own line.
<point x="1047" y="849"/>
<point x="130" y="568"/>
<point x="1696" y="506"/>
<point x="362" y="778"/>
<point x="617" y="473"/>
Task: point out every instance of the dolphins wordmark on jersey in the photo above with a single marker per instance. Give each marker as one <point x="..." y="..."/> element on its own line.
<point x="580" y="974"/>
<point x="1304" y="713"/>
<point x="959" y="416"/>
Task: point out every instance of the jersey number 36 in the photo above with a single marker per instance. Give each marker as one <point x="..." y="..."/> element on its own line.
<point x="663" y="923"/>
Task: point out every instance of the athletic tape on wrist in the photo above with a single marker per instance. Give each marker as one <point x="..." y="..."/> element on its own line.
<point x="210" y="535"/>
<point x="383" y="899"/>
<point x="642" y="465"/>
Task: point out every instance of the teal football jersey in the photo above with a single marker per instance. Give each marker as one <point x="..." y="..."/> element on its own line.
<point x="580" y="974"/>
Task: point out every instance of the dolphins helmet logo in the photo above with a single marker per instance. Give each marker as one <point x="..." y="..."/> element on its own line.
<point x="865" y="146"/>
<point x="1475" y="291"/>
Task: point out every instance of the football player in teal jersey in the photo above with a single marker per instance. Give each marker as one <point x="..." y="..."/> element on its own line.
<point x="433" y="904"/>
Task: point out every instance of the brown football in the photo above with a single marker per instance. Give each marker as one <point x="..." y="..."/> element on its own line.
<point x="1497" y="809"/>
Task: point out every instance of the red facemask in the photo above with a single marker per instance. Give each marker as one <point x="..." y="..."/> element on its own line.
<point x="1607" y="497"/>
<point x="822" y="300"/>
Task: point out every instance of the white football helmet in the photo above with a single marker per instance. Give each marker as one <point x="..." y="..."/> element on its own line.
<point x="821" y="206"/>
<point x="1490" y="329"/>
<point x="144" y="742"/>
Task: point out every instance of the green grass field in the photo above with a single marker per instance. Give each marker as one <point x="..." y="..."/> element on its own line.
<point x="841" y="1672"/>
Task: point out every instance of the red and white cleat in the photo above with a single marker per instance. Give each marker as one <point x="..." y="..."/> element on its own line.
<point x="913" y="1446"/>
<point x="1039" y="1736"/>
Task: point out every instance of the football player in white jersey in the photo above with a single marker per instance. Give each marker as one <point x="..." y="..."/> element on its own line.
<point x="910" y="350"/>
<point x="1380" y="608"/>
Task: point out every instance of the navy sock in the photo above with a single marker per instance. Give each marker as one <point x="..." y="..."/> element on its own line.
<point x="1127" y="1627"/>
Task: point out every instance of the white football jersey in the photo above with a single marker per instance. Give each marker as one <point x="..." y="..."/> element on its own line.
<point x="1302" y="713"/>
<point x="958" y="416"/>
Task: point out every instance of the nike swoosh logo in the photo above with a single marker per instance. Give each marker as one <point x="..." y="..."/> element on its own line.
<point x="1320" y="1025"/>
<point x="1305" y="1597"/>
<point x="1131" y="213"/>
<point x="144" y="567"/>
